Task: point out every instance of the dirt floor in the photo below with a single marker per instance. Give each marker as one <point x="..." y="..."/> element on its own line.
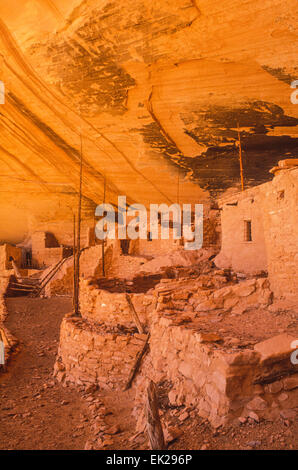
<point x="36" y="412"/>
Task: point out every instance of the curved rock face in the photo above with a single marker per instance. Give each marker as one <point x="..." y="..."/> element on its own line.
<point x="154" y="94"/>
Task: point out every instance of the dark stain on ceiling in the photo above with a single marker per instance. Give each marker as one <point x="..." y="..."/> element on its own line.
<point x="94" y="81"/>
<point x="280" y="74"/>
<point x="218" y="168"/>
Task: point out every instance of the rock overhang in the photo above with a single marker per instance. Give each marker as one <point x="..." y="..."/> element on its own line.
<point x="152" y="90"/>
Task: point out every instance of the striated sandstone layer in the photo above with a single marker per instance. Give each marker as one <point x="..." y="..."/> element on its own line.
<point x="154" y="88"/>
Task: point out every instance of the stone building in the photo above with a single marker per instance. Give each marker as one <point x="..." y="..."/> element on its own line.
<point x="46" y="249"/>
<point x="259" y="231"/>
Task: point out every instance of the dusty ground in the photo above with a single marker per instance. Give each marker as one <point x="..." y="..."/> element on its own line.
<point x="38" y="413"/>
<point x="197" y="434"/>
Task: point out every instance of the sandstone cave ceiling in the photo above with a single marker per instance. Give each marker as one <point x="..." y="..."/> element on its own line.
<point x="152" y="87"/>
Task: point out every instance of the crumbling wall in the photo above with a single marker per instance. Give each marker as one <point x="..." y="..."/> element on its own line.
<point x="7" y="251"/>
<point x="125" y="267"/>
<point x="222" y="379"/>
<point x="90" y="267"/>
<point x="46" y="250"/>
<point x="153" y="248"/>
<point x="159" y="247"/>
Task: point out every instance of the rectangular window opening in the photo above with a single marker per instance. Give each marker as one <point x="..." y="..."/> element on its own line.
<point x="247" y="231"/>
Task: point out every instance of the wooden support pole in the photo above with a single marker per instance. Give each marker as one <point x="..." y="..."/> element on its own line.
<point x="21" y="286"/>
<point x="50" y="276"/>
<point x="20" y="289"/>
<point x="74" y="264"/>
<point x="44" y="280"/>
<point x="103" y="242"/>
<point x="78" y="244"/>
<point x="240" y="158"/>
<point x="154" y="427"/>
<point x="136" y="366"/>
<point x="134" y="314"/>
<point x="2" y="351"/>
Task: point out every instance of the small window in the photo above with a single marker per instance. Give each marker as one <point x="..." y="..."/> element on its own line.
<point x="247" y="231"/>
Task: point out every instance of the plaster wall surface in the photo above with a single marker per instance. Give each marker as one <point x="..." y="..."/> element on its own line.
<point x="272" y="210"/>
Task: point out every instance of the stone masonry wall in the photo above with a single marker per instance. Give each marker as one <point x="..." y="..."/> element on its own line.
<point x="221" y="384"/>
<point x="4" y="282"/>
<point x="10" y="342"/>
<point x="112" y="308"/>
<point x="273" y="211"/>
<point x="154" y="248"/>
<point x="46" y="250"/>
<point x="6" y="251"/>
<point x="222" y="380"/>
<point x="236" y="253"/>
<point x="62" y="282"/>
<point x="280" y="207"/>
<point x="92" y="354"/>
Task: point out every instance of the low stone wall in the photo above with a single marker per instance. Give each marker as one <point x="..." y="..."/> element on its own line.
<point x="112" y="308"/>
<point x="222" y="384"/>
<point x="4" y="282"/>
<point x="92" y="354"/>
<point x="10" y="342"/>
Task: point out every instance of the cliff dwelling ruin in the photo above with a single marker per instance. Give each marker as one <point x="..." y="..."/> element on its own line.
<point x="138" y="342"/>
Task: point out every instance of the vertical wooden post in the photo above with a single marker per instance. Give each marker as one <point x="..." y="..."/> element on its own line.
<point x="240" y="158"/>
<point x="2" y="351"/>
<point x="103" y="242"/>
<point x="74" y="264"/>
<point x="78" y="243"/>
<point x="154" y="427"/>
<point x="134" y="315"/>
